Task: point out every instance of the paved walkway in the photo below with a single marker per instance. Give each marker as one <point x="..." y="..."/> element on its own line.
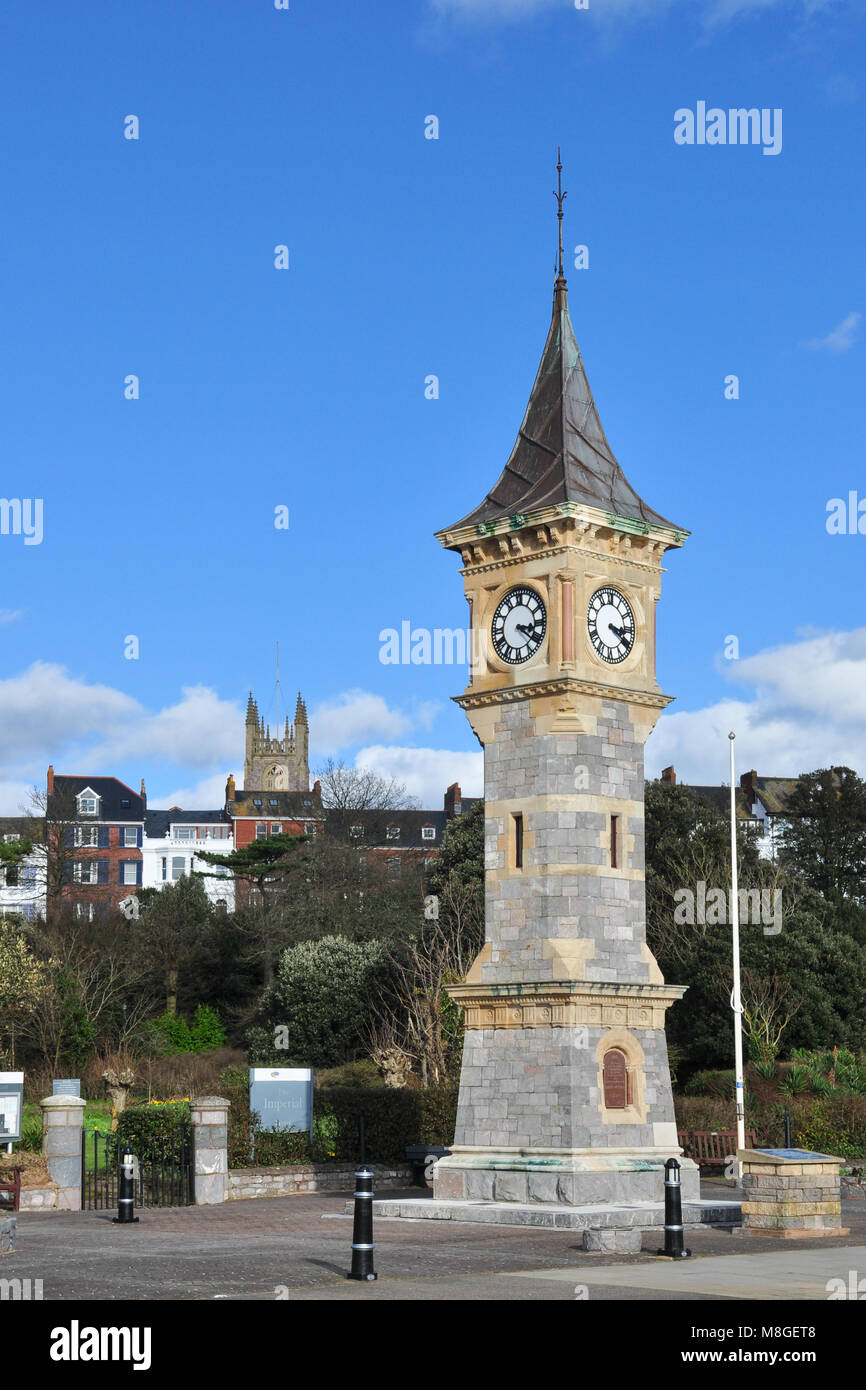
<point x="283" y="1248"/>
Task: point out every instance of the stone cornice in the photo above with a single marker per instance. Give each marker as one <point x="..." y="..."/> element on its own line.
<point x="457" y="536"/>
<point x="561" y="685"/>
<point x="588" y="1003"/>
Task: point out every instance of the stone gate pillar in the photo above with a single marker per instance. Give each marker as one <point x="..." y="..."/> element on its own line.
<point x="210" y="1149"/>
<point x="62" y="1118"/>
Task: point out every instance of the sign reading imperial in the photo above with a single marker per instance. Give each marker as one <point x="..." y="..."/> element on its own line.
<point x="565" y="1091"/>
<point x="283" y="1097"/>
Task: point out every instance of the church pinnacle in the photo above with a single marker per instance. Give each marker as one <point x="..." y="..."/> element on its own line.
<point x="278" y="761"/>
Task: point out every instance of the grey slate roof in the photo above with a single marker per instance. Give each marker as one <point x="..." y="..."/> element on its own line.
<point x="110" y="791"/>
<point x="562" y="453"/>
<point x="156" y="823"/>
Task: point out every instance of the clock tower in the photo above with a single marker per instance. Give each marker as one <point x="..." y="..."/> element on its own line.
<point x="565" y="1091"/>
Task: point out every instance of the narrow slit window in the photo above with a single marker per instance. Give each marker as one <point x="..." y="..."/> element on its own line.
<point x="518" y="842"/>
<point x="614" y="842"/>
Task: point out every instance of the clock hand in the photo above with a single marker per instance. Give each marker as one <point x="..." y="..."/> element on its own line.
<point x="521" y="627"/>
<point x="620" y="632"/>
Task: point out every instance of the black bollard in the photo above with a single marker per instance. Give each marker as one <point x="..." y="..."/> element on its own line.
<point x="362" y="1231"/>
<point x="126" y="1190"/>
<point x="673" y="1214"/>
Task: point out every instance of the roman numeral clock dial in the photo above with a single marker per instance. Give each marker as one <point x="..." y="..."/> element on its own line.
<point x="518" y="626"/>
<point x="610" y="623"/>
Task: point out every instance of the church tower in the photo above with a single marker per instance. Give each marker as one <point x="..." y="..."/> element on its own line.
<point x="565" y="1092"/>
<point x="277" y="764"/>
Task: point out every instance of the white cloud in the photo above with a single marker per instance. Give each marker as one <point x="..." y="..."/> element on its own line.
<point x="198" y="731"/>
<point x="806" y="709"/>
<point x="10" y="615"/>
<point x="426" y="772"/>
<point x="49" y="716"/>
<point x="45" y="711"/>
<point x="713" y="12"/>
<point x="355" y="716"/>
<point x="840" y="338"/>
<point x="207" y="794"/>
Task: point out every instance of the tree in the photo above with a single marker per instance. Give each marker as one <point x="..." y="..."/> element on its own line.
<point x="417" y="1026"/>
<point x="349" y="789"/>
<point x="813" y="964"/>
<point x="768" y="1005"/>
<point x="172" y="922"/>
<point x="94" y="970"/>
<point x="688" y="844"/>
<point x="320" y="998"/>
<point x="824" y="841"/>
<point x="24" y="981"/>
<point x="273" y="869"/>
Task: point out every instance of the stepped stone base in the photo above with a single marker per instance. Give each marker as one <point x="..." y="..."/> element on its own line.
<point x="553" y="1216"/>
<point x="572" y="1178"/>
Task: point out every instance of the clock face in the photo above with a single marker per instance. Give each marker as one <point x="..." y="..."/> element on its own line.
<point x="519" y="625"/>
<point x="611" y="625"/>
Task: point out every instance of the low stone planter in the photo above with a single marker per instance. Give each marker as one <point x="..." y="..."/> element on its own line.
<point x="791" y="1193"/>
<point x="244" y="1183"/>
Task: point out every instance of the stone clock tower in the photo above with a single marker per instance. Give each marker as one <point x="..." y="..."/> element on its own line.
<point x="565" y="1091"/>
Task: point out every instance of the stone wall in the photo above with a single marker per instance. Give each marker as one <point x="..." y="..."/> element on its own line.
<point x="313" y="1177"/>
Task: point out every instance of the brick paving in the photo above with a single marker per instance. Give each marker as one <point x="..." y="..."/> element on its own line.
<point x="299" y="1247"/>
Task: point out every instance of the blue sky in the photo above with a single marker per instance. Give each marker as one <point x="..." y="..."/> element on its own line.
<point x="305" y="388"/>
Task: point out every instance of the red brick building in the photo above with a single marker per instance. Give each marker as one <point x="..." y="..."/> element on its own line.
<point x="94" y="834"/>
<point x="256" y="815"/>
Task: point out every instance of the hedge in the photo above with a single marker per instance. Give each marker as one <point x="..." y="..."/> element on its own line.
<point x="394" y="1118"/>
<point x="139" y="1124"/>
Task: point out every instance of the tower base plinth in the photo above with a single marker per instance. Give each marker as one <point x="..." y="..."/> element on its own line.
<point x="570" y="1178"/>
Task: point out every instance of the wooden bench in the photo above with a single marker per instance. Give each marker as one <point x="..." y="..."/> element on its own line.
<point x="712" y="1147"/>
<point x="12" y="1189"/>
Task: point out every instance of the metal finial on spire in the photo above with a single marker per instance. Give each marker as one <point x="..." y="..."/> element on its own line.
<point x="560" y="199"/>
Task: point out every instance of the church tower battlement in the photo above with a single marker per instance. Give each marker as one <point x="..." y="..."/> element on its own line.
<point x="272" y="763"/>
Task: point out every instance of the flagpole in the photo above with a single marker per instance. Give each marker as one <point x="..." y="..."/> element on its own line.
<point x="736" y="1003"/>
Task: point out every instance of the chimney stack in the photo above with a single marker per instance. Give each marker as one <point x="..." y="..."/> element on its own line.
<point x="50" y="779"/>
<point x="230" y="788"/>
<point x="669" y="775"/>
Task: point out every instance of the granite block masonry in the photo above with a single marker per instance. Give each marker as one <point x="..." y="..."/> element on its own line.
<point x="565" y="1091"/>
<point x="791" y="1193"/>
<point x="62" y="1118"/>
<point x="8" y="1230"/>
<point x="209" y="1116"/>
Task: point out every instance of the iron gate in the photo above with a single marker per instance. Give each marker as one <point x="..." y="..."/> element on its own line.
<point x="164" y="1170"/>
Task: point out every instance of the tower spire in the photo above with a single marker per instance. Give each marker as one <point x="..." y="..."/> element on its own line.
<point x="560" y="199"/>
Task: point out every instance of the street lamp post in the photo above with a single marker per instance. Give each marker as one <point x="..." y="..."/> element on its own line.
<point x="736" y="1003"/>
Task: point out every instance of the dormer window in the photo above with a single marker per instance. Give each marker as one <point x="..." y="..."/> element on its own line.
<point x="428" y="832"/>
<point x="356" y="831"/>
<point x="257" y="801"/>
<point x="88" y="802"/>
<point x="393" y="832"/>
<point x="272" y="801"/>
